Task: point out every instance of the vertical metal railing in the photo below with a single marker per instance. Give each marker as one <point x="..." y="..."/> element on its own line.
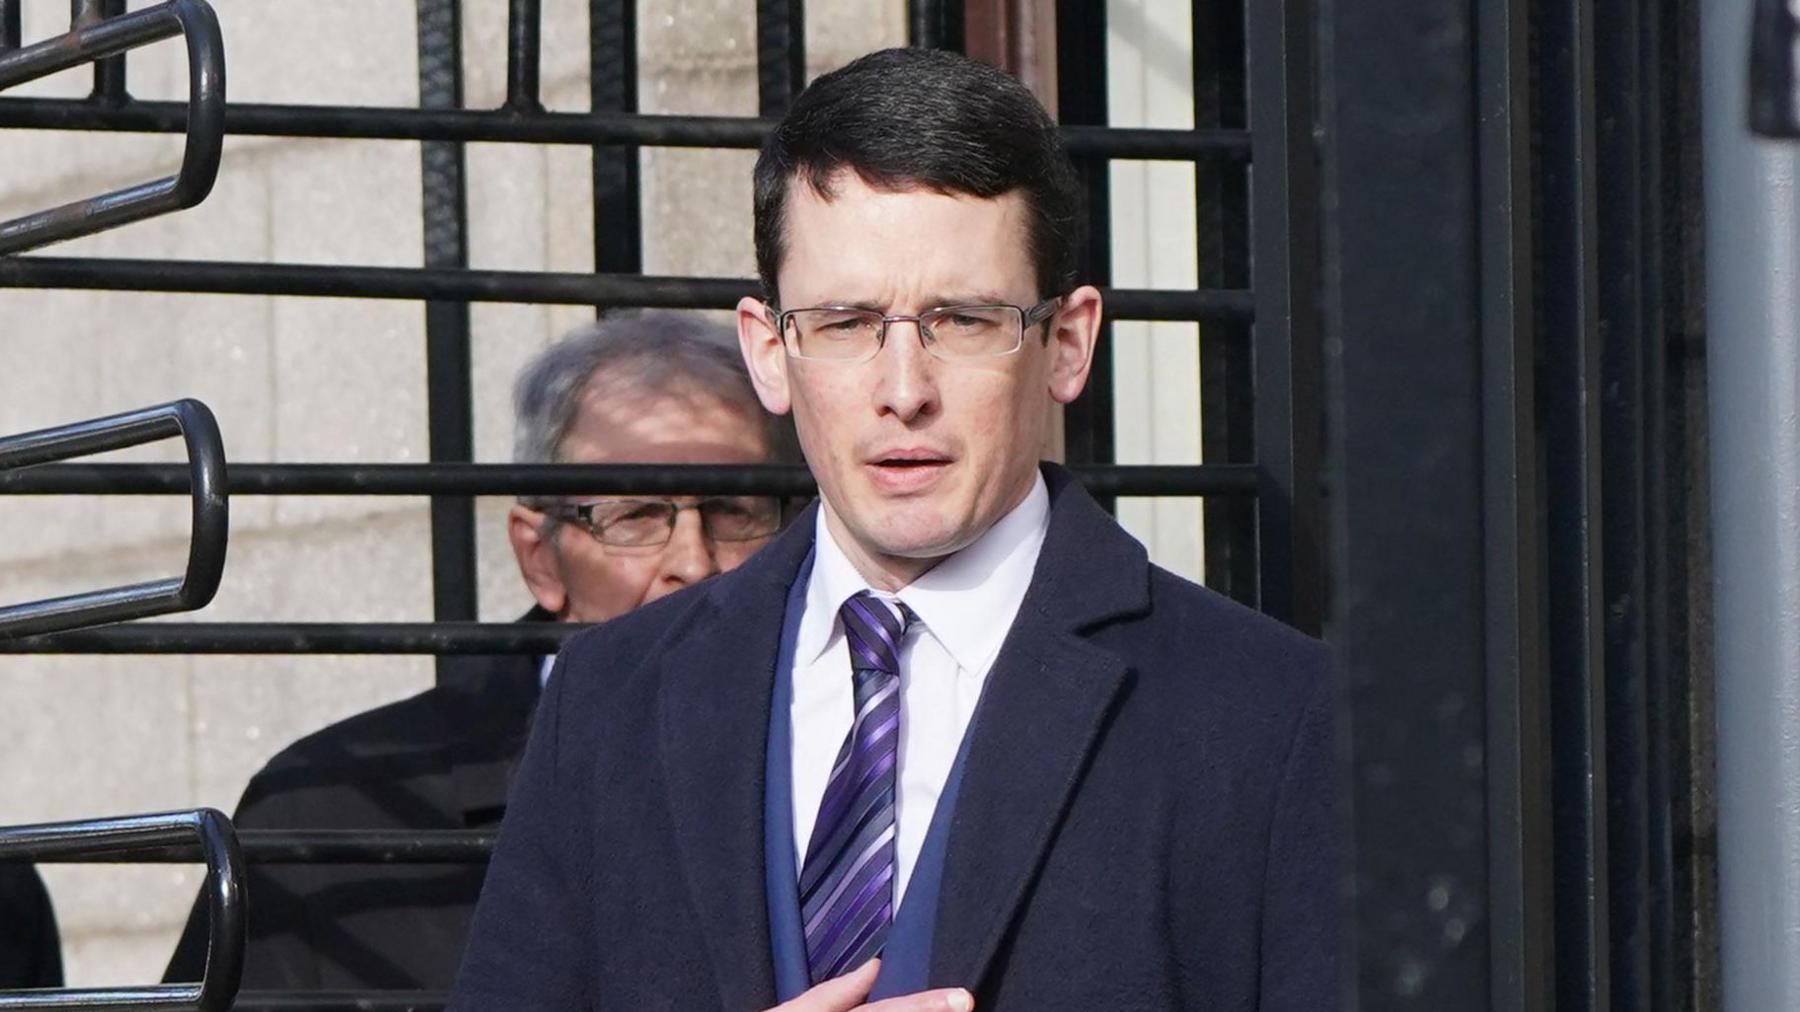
<point x="780" y="55"/>
<point x="444" y="204"/>
<point x="1227" y="402"/>
<point x="1287" y="345"/>
<point x="1081" y="100"/>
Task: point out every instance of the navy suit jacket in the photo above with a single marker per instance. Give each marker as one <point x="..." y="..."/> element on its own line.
<point x="1145" y="817"/>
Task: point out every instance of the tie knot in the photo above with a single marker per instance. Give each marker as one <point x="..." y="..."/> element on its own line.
<point x="874" y="628"/>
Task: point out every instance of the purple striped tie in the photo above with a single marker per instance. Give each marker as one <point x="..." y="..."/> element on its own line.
<point x="847" y="882"/>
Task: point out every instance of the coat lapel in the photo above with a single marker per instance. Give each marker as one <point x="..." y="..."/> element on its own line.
<point x="715" y="686"/>
<point x="1042" y="712"/>
<point x="489" y="702"/>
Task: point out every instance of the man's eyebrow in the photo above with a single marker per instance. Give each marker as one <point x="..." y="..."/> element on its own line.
<point x="984" y="298"/>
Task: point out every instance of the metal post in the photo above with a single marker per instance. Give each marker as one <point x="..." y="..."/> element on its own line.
<point x="780" y="54"/>
<point x="612" y="63"/>
<point x="1227" y="384"/>
<point x="1570" y="388"/>
<point x="1753" y="377"/>
<point x="524" y="47"/>
<point x="10" y="30"/>
<point x="1082" y="99"/>
<point x="1286" y="351"/>
<point x="935" y="24"/>
<point x="448" y="388"/>
<point x="1434" y="598"/>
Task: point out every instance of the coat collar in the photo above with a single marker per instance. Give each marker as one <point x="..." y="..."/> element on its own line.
<point x="488" y="703"/>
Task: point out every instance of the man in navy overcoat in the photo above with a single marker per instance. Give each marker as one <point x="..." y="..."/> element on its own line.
<point x="951" y="741"/>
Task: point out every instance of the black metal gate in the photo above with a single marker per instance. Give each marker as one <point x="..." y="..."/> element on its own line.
<point x="1260" y="351"/>
<point x="1447" y="305"/>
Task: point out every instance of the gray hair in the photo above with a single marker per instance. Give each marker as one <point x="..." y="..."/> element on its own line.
<point x="646" y="350"/>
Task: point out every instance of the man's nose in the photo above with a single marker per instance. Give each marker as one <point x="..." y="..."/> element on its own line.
<point x="908" y="380"/>
<point x="689" y="556"/>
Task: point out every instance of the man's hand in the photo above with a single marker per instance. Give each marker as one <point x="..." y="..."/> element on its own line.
<point x="845" y="994"/>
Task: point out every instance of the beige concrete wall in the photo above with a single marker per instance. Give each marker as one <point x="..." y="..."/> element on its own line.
<point x="303" y="380"/>
<point x="1156" y="366"/>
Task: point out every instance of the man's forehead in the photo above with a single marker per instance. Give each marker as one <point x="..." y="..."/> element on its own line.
<point x="863" y="243"/>
<point x="682" y="422"/>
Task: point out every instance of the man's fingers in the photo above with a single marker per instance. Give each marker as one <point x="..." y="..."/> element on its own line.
<point x="953" y="999"/>
<point x="839" y="994"/>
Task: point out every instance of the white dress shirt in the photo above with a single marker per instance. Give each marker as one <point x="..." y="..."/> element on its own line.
<point x="965" y="607"/>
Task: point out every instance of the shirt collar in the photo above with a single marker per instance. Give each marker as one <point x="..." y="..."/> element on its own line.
<point x="968" y="601"/>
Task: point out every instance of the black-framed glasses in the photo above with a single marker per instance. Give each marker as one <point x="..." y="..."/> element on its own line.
<point x="650" y="522"/>
<point x="951" y="333"/>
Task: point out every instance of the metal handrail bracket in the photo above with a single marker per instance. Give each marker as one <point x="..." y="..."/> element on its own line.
<point x="188" y="419"/>
<point x="199" y="26"/>
<point x="224" y="892"/>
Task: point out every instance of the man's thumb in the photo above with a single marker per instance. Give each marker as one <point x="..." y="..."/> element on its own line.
<point x="839" y="994"/>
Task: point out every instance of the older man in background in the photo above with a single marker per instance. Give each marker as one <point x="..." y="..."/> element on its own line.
<point x="635" y="389"/>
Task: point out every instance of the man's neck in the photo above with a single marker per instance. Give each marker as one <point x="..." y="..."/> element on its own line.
<point x="894" y="573"/>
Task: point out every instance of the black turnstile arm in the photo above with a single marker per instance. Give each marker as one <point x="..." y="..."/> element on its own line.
<point x="199" y="26"/>
<point x="188" y="419"/>
<point x="224" y="891"/>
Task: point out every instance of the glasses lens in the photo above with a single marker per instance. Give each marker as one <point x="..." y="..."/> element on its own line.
<point x="740" y="518"/>
<point x="835" y="333"/>
<point x="633" y="523"/>
<point x="974" y="331"/>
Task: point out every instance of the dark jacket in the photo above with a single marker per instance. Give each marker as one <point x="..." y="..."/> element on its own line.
<point x="30" y="951"/>
<point x="1145" y="820"/>
<point x="439" y="760"/>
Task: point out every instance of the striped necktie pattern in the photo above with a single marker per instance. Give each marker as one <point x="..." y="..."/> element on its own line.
<point x="847" y="879"/>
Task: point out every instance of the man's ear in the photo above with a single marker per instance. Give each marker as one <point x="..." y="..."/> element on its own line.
<point x="1073" y="333"/>
<point x="536" y="553"/>
<point x="764" y="354"/>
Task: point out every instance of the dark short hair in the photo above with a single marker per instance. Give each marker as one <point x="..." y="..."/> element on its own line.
<point x="902" y="118"/>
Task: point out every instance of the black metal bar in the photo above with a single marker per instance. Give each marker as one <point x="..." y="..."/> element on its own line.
<point x="109" y="73"/>
<point x="524" y="54"/>
<point x="600" y="127"/>
<point x="11" y="32"/>
<point x="1575" y="527"/>
<point x="207" y="836"/>
<point x="450" y="411"/>
<point x="613" y="83"/>
<point x="441" y="639"/>
<point x="1520" y="868"/>
<point x="1680" y="723"/>
<point x="1645" y="913"/>
<point x="1287" y="344"/>
<point x="1081" y="95"/>
<point x="201" y="118"/>
<point x="780" y="55"/>
<point x="1222" y="219"/>
<point x="495" y="286"/>
<point x="935" y="24"/>
<point x="1405" y="294"/>
<point x="556" y="479"/>
<point x="203" y="479"/>
<point x="318" y="846"/>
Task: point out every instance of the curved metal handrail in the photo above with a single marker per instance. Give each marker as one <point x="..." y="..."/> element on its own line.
<point x="195" y="21"/>
<point x="224" y="891"/>
<point x="187" y="418"/>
